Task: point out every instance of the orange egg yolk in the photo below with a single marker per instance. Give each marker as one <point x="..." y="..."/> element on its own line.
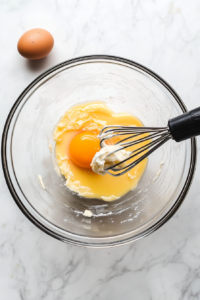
<point x="83" y="147"/>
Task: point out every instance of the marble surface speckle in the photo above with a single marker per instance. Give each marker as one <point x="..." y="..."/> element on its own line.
<point x="162" y="35"/>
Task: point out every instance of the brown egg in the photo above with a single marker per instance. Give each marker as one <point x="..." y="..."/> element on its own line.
<point x="35" y="43"/>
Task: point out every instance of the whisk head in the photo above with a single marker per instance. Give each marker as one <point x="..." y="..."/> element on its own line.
<point x="150" y="139"/>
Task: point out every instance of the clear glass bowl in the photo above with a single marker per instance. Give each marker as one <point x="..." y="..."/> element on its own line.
<point x="125" y="86"/>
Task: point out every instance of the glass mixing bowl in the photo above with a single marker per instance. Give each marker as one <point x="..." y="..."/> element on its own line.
<point x="124" y="86"/>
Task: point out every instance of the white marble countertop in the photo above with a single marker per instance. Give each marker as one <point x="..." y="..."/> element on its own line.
<point x="162" y="35"/>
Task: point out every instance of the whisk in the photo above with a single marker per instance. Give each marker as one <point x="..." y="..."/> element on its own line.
<point x="179" y="129"/>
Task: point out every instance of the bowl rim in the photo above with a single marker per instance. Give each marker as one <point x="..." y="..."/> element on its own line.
<point x="91" y="244"/>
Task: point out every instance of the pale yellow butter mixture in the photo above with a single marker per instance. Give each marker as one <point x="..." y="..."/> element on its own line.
<point x="92" y="117"/>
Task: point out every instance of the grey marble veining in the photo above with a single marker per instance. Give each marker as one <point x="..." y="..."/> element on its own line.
<point x="162" y="35"/>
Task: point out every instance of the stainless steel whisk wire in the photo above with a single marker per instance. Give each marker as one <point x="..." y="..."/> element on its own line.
<point x="157" y="135"/>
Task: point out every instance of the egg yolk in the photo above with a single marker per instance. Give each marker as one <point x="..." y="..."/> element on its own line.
<point x="83" y="147"/>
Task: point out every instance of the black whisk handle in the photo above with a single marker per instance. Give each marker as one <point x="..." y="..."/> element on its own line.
<point x="185" y="126"/>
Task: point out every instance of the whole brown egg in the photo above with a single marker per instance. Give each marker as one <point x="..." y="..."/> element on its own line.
<point x="35" y="43"/>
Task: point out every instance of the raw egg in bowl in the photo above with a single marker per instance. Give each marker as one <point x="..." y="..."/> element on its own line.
<point x="76" y="144"/>
<point x="38" y="152"/>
